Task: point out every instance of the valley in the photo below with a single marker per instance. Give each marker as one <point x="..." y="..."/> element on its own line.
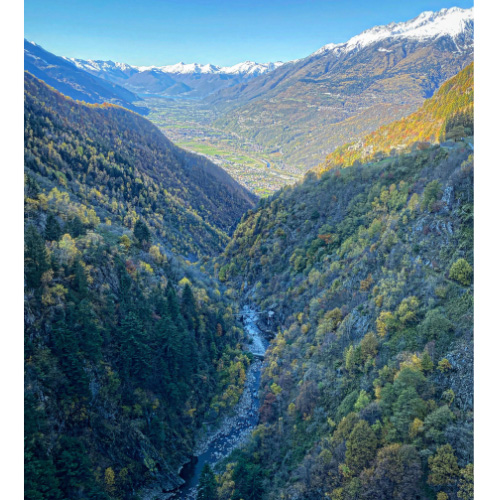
<point x="189" y="123"/>
<point x="265" y="289"/>
<point x="235" y="429"/>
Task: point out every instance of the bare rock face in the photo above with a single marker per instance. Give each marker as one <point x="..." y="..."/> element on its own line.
<point x="461" y="377"/>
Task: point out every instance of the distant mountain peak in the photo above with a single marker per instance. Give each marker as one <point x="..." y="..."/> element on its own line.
<point x="428" y="25"/>
<point x="98" y="65"/>
<point x="243" y="68"/>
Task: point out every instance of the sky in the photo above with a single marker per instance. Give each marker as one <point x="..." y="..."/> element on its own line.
<point x="223" y="32"/>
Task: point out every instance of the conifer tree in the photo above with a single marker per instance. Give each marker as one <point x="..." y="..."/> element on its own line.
<point x="53" y="230"/>
<point x="35" y="257"/>
<point x="207" y="487"/>
<point x="188" y="306"/>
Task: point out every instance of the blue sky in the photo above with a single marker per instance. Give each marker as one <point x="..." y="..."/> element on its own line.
<point x="221" y="32"/>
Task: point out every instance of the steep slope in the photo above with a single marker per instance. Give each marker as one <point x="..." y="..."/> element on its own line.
<point x="306" y="108"/>
<point x="126" y="167"/>
<point x="73" y="82"/>
<point x="129" y="349"/>
<point x="449" y="114"/>
<point x="367" y="390"/>
<point x="189" y="80"/>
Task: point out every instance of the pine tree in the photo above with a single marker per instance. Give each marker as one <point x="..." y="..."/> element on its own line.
<point x="134" y="349"/>
<point x="207" y="486"/>
<point x="75" y="227"/>
<point x="35" y="257"/>
<point x="65" y="347"/>
<point x="31" y="187"/>
<point x="53" y="230"/>
<point x="188" y="306"/>
<point x="142" y="233"/>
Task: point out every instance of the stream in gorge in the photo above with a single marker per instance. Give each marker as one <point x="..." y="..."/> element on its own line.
<point x="235" y="429"/>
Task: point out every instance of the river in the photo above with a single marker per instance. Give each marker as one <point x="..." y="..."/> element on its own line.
<point x="234" y="430"/>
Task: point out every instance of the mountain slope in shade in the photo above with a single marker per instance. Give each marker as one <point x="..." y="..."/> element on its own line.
<point x="73" y="82"/>
<point x="368" y="386"/>
<point x="129" y="169"/>
<point x="306" y="108"/>
<point x="193" y="80"/>
<point x="448" y="114"/>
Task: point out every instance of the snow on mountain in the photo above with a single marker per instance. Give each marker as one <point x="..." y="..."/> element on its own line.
<point x="247" y="68"/>
<point x="98" y="66"/>
<point x="451" y="22"/>
<point x="251" y="68"/>
<point x="183" y="68"/>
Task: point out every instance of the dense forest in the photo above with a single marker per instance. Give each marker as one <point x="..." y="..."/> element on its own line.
<point x="131" y="346"/>
<point x="128" y="347"/>
<point x="367" y="392"/>
<point x="123" y="167"/>
<point x="449" y="114"/>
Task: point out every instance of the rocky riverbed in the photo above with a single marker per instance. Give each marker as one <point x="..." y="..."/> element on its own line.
<point x="234" y="430"/>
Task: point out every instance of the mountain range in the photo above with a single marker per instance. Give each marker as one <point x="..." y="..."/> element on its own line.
<point x="295" y="112"/>
<point x="186" y="80"/>
<point x="304" y="109"/>
<point x="142" y="261"/>
<point x="73" y="82"/>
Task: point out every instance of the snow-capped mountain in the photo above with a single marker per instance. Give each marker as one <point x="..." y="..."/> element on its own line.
<point x="193" y="79"/>
<point x="346" y="90"/>
<point x="69" y="79"/>
<point x="250" y="68"/>
<point x="91" y="66"/>
<point x="247" y="68"/>
<point x="454" y="22"/>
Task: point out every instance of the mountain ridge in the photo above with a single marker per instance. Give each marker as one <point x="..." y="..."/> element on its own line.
<point x="429" y="24"/>
<point x="449" y="113"/>
<point x="116" y="143"/>
<point x="306" y="108"/>
<point x="73" y="82"/>
<point x="176" y="79"/>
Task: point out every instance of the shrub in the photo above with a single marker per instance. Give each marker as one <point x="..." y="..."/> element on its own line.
<point x="461" y="271"/>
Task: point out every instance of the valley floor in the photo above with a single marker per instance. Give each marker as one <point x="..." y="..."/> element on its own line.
<point x="188" y="123"/>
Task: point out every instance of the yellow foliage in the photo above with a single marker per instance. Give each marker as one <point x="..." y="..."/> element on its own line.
<point x="146" y="267"/>
<point x="109" y="479"/>
<point x="415" y="427"/>
<point x="67" y="249"/>
<point x="155" y="252"/>
<point x="276" y="389"/>
<point x="184" y="281"/>
<point x="382" y="322"/>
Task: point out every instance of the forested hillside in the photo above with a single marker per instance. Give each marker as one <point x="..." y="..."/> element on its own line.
<point x="368" y="386"/>
<point x="449" y="114"/>
<point x="364" y="273"/>
<point x="124" y="167"/>
<point x="128" y="347"/>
